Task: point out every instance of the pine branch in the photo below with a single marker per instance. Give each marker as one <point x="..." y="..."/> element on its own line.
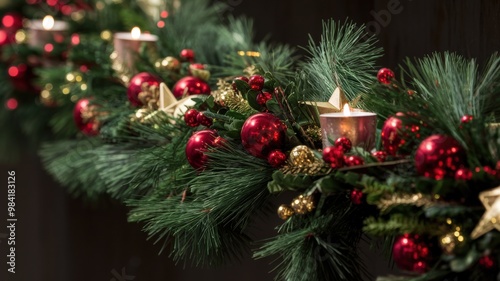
<point x="345" y="58"/>
<point x="319" y="247"/>
<point x="234" y="185"/>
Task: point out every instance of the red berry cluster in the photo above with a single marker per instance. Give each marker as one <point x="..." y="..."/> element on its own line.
<point x="256" y="83"/>
<point x="194" y="118"/>
<point x="335" y="155"/>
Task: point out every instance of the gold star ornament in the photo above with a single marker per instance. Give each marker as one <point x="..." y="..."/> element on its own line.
<point x="491" y="218"/>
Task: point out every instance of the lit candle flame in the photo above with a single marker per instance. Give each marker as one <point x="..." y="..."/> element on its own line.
<point x="136" y="33"/>
<point x="347" y="110"/>
<point x="48" y="22"/>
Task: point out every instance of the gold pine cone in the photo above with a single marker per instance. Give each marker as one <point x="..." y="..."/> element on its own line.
<point x="303" y="204"/>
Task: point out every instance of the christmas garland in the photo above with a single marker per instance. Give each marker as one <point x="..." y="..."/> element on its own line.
<point x="198" y="150"/>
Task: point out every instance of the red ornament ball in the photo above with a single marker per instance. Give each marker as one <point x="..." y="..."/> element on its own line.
<point x="190" y="86"/>
<point x="191" y="118"/>
<point x="385" y="76"/>
<point x="204" y="120"/>
<point x="334" y="156"/>
<point x="263" y="97"/>
<point x="187" y="55"/>
<point x="256" y="82"/>
<point x="138" y="83"/>
<point x="344" y="143"/>
<point x="439" y="156"/>
<point x="380" y="155"/>
<point x="276" y="158"/>
<point x="463" y="174"/>
<point x="391" y="135"/>
<point x="85" y="116"/>
<point x="196" y="147"/>
<point x="466" y="119"/>
<point x="411" y="253"/>
<point x="262" y="133"/>
<point x="357" y="197"/>
<point x="353" y="160"/>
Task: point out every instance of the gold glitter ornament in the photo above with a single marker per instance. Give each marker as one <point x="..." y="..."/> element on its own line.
<point x="303" y="205"/>
<point x="168" y="63"/>
<point x="301" y="156"/>
<point x="284" y="212"/>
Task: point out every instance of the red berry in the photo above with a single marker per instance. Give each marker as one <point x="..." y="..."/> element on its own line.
<point x="263" y="97"/>
<point x="357" y="197"/>
<point x="380" y="155"/>
<point x="334" y="156"/>
<point x="256" y="82"/>
<point x="463" y="174"/>
<point x="344" y="143"/>
<point x="242" y="78"/>
<point x="486" y="262"/>
<point x="191" y="118"/>
<point x="466" y="119"/>
<point x="276" y="158"/>
<point x="353" y="160"/>
<point x="385" y="76"/>
<point x="204" y="120"/>
<point x="187" y="55"/>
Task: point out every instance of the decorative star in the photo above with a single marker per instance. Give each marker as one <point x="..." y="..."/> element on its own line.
<point x="171" y="105"/>
<point x="491" y="218"/>
<point x="334" y="104"/>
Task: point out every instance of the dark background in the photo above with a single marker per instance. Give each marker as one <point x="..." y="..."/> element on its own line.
<point x="64" y="239"/>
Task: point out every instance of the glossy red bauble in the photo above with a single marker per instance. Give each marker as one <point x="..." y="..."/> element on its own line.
<point x="196" y="147"/>
<point x="256" y="82"/>
<point x="262" y="133"/>
<point x="138" y="84"/>
<point x="187" y="55"/>
<point x="391" y="135"/>
<point x="190" y="86"/>
<point x="334" y="156"/>
<point x="276" y="158"/>
<point x="385" y="76"/>
<point x="191" y="118"/>
<point x="439" y="156"/>
<point x="85" y="116"/>
<point x="411" y="253"/>
<point x="344" y="143"/>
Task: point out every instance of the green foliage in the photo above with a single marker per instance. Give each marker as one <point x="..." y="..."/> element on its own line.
<point x="318" y="247"/>
<point x="345" y="58"/>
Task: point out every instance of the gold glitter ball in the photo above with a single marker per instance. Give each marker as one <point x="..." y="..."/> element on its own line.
<point x="284" y="212"/>
<point x="301" y="156"/>
<point x="168" y="63"/>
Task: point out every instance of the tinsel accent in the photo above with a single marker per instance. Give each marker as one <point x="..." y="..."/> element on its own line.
<point x="417" y="199"/>
<point x="226" y="96"/>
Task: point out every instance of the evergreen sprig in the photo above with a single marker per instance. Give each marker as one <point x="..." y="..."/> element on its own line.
<point x="345" y="58"/>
